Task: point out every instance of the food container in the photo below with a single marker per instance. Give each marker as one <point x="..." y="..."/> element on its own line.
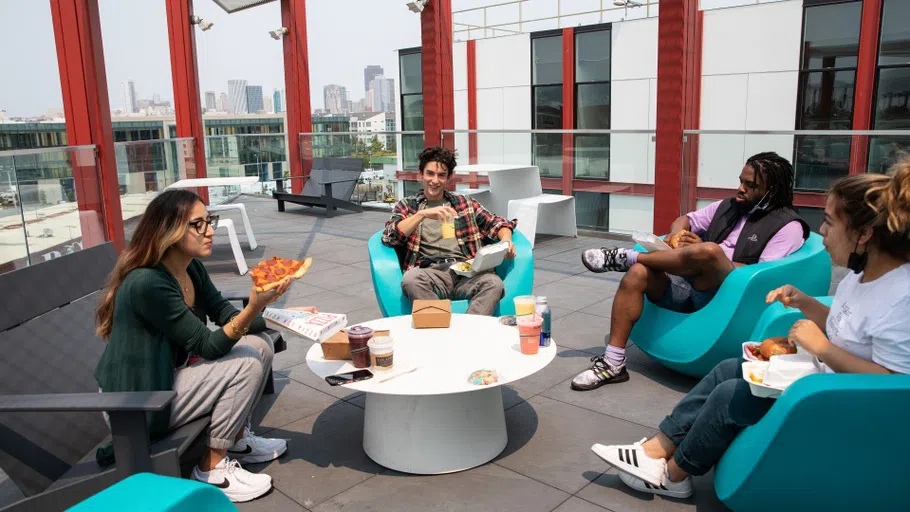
<point x="747" y="353"/>
<point x="754" y="374"/>
<point x="786" y="369"/>
<point x="650" y="241"/>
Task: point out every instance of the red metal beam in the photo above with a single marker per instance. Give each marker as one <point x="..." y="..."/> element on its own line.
<point x="80" y="58"/>
<point x="297" y="85"/>
<point x="438" y="82"/>
<point x="185" y="76"/>
<point x="864" y="99"/>
<point x="568" y="109"/>
<point x="693" y="117"/>
<point x="472" y="100"/>
<point x="675" y="73"/>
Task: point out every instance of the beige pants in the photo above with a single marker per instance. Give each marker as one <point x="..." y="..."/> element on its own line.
<point x="483" y="290"/>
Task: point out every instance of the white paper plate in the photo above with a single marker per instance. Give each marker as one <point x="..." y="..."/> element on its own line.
<point x="758" y="389"/>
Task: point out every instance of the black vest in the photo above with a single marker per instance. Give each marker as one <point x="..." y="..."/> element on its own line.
<point x="760" y="227"/>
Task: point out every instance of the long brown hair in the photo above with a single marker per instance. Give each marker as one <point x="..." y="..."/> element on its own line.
<point x="880" y="202"/>
<point x="163" y="224"/>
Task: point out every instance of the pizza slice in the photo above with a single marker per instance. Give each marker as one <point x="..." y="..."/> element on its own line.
<point x="269" y="273"/>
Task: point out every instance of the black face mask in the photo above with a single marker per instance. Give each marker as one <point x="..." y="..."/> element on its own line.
<point x="857" y="262"/>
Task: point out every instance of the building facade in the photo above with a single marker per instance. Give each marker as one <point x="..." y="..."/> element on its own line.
<point x="129" y="97"/>
<point x="382" y="94"/>
<point x="336" y="99"/>
<point x="254" y="100"/>
<point x="237" y="92"/>
<point x="277" y="101"/>
<point x="369" y="74"/>
<point x="210" y="105"/>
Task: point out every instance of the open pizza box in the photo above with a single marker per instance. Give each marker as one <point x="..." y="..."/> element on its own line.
<point x="487" y="258"/>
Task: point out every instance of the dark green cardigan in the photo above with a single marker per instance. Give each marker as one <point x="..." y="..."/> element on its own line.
<point x="151" y="323"/>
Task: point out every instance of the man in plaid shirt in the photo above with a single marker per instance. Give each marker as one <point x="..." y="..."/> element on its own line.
<point x="422" y="225"/>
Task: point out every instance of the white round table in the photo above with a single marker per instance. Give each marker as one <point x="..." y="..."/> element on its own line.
<point x="432" y="420"/>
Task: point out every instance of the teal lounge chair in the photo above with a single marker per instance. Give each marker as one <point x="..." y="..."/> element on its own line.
<point x="693" y="343"/>
<point x="145" y="492"/>
<point x="517" y="275"/>
<point x="830" y="442"/>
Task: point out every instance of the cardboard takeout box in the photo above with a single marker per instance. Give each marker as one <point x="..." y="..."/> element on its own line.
<point x="337" y="347"/>
<point x="431" y="314"/>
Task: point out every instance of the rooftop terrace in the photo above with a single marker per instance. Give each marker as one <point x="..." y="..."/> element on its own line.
<point x="547" y="465"/>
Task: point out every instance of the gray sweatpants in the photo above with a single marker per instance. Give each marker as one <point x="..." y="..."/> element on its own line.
<point x="229" y="388"/>
<point x="483" y="290"/>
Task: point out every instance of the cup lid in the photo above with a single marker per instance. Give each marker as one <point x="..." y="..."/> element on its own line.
<point x="541" y="299"/>
<point x="360" y="330"/>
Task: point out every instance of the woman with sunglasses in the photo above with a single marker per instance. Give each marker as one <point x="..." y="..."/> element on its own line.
<point x="153" y="317"/>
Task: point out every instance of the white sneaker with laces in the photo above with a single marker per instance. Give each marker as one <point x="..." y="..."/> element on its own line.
<point x="631" y="459"/>
<point x="252" y="449"/>
<point x="237" y="483"/>
<point x="681" y="489"/>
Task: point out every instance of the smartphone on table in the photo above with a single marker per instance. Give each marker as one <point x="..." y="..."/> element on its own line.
<point x="347" y="378"/>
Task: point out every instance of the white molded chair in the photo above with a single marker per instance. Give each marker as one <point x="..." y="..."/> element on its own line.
<point x="228" y="225"/>
<point x="246" y="220"/>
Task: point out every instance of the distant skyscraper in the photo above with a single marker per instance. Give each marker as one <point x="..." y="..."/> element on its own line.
<point x="254" y="102"/>
<point x="277" y="104"/>
<point x="210" y="101"/>
<point x="237" y="90"/>
<point x="129" y="97"/>
<point x="224" y="102"/>
<point x="336" y="99"/>
<point x="381" y="94"/>
<point x="267" y="104"/>
<point x="370" y="73"/>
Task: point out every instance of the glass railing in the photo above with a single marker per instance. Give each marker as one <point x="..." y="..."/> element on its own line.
<point x="382" y="156"/>
<point x="612" y="171"/>
<point x="713" y="159"/>
<point x="46" y="209"/>
<point x="262" y="155"/>
<point x="146" y="168"/>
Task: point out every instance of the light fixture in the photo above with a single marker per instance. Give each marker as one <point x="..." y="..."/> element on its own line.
<point x="278" y="33"/>
<point x="626" y="3"/>
<point x="418" y="5"/>
<point x="203" y="25"/>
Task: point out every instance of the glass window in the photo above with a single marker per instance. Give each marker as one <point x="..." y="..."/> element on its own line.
<point x="820" y="160"/>
<point x="592" y="156"/>
<point x="412" y="112"/>
<point x="892" y="102"/>
<point x="592" y="210"/>
<point x="548" y="107"/>
<point x="411" y="187"/>
<point x="546" y="60"/>
<point x="411" y="73"/>
<point x="895" y="41"/>
<point x="831" y="35"/>
<point x="592" y="103"/>
<point x="412" y="145"/>
<point x="827" y="100"/>
<point x="592" y="56"/>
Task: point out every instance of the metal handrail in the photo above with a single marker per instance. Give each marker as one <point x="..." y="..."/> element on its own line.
<point x="891" y="133"/>
<point x="38" y="151"/>
<point x="282" y="134"/>
<point x="138" y="142"/>
<point x="364" y="133"/>
<point x="577" y="131"/>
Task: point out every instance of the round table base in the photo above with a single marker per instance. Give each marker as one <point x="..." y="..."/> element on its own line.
<point x="434" y="434"/>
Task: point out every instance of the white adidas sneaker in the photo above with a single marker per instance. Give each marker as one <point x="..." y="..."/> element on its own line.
<point x="252" y="449"/>
<point x="631" y="459"/>
<point x="237" y="483"/>
<point x="681" y="489"/>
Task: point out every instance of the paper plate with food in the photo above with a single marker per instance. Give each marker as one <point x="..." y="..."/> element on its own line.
<point x="487" y="258"/>
<point x="762" y="352"/>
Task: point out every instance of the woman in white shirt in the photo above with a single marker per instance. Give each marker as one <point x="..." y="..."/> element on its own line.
<point x="867" y="229"/>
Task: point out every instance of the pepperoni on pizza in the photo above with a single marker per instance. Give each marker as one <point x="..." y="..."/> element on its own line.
<point x="269" y="273"/>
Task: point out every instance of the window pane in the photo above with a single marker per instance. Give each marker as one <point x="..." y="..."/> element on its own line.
<point x="895" y="44"/>
<point x="546" y="60"/>
<point x="412" y="112"/>
<point x="548" y="153"/>
<point x="411" y="73"/>
<point x="831" y="35"/>
<point x="593" y="107"/>
<point x="885" y="152"/>
<point x="892" y="104"/>
<point x="827" y="100"/>
<point x="592" y="156"/>
<point x="412" y="145"/>
<point x="820" y="160"/>
<point x="412" y="187"/>
<point x="592" y="210"/>
<point x="548" y="108"/>
<point x="592" y="56"/>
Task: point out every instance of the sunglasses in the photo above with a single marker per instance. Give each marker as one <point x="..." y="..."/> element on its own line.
<point x="202" y="225"/>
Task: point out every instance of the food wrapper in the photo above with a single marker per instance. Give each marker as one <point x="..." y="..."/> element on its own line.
<point x="786" y="369"/>
<point x="483" y="377"/>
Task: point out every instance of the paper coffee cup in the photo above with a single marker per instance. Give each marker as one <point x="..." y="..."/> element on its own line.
<point x="381" y="352"/>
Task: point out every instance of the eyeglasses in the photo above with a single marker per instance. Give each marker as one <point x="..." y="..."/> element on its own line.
<point x="202" y="225"/>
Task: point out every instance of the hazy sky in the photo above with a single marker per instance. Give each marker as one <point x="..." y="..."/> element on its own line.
<point x="344" y="37"/>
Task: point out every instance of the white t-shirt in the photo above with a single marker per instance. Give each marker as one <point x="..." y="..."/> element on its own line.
<point x="872" y="320"/>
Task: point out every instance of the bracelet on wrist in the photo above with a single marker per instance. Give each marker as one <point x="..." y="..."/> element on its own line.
<point x="241" y="332"/>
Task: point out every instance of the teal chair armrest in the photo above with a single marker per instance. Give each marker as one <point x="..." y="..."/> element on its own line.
<point x="517" y="274"/>
<point x="387" y="275"/>
<point x="826" y="444"/>
<point x="146" y="492"/>
<point x="777" y="320"/>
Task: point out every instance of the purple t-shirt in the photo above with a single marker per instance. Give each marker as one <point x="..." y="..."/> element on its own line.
<point x="786" y="241"/>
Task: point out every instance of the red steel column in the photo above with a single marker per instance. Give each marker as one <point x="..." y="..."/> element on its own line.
<point x="870" y="27"/>
<point x="185" y="75"/>
<point x="675" y="73"/>
<point x="693" y="119"/>
<point x="297" y="85"/>
<point x="472" y="100"/>
<point x="438" y="82"/>
<point x="568" y="109"/>
<point x="80" y="58"/>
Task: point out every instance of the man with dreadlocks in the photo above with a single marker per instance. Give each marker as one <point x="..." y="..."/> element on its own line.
<point x="758" y="224"/>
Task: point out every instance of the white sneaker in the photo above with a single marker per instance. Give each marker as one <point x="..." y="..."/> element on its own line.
<point x="631" y="459"/>
<point x="681" y="489"/>
<point x="237" y="483"/>
<point x="252" y="449"/>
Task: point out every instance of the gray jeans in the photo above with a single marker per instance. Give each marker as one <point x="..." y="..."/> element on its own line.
<point x="229" y="388"/>
<point x="483" y="290"/>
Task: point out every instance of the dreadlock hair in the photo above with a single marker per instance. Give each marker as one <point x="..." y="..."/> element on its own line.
<point x="439" y="155"/>
<point x="776" y="173"/>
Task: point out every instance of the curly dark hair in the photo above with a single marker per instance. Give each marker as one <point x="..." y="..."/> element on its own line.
<point x="440" y="155"/>
<point x="776" y="173"/>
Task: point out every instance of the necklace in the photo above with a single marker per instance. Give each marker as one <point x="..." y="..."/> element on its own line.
<point x="186" y="287"/>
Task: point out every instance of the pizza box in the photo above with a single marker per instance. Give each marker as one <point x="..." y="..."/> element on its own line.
<point x="487" y="258"/>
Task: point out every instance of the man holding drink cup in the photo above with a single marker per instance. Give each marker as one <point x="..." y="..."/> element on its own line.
<point x="436" y="229"/>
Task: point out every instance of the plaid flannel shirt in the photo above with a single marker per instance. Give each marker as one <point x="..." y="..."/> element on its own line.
<point x="474" y="225"/>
